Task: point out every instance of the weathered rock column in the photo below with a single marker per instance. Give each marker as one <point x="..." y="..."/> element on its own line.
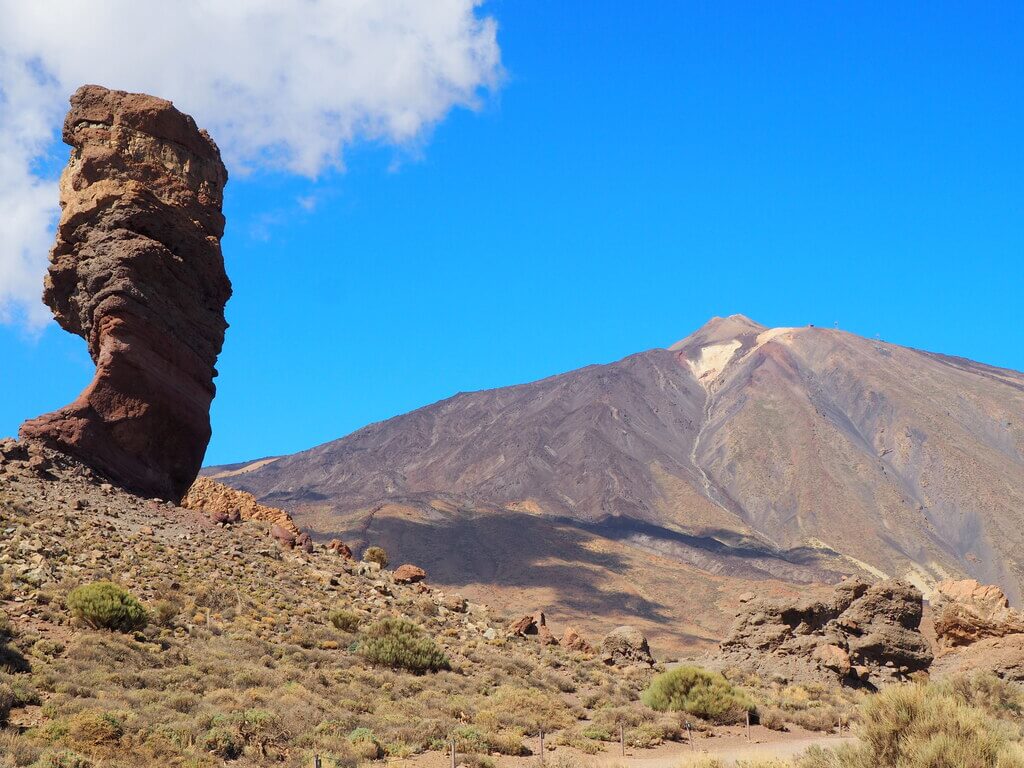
<point x="137" y="272"/>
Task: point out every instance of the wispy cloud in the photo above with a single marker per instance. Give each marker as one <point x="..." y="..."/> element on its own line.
<point x="281" y="85"/>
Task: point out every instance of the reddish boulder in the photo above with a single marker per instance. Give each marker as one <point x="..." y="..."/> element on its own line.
<point x="341" y="548"/>
<point x="522" y="627"/>
<point x="137" y="272"/>
<point x="543" y="633"/>
<point x="409" y="574"/>
<point x="574" y="641"/>
<point x="283" y="536"/>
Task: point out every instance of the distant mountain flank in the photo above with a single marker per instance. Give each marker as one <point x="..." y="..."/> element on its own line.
<point x="662" y="486"/>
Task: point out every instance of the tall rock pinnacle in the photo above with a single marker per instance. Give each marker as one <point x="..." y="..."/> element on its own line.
<point x="137" y="272"/>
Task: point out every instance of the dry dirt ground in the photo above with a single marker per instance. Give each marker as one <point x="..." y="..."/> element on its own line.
<point x="727" y="745"/>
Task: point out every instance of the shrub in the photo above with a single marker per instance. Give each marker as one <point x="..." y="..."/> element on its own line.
<point x="400" y="644"/>
<point x="346" y="621"/>
<point x="95" y="729"/>
<point x="63" y="758"/>
<point x="997" y="697"/>
<point x="365" y="744"/>
<point x="7" y="701"/>
<point x="923" y="726"/>
<point x="105" y="605"/>
<point x="223" y="742"/>
<point x="165" y="612"/>
<point x="376" y="555"/>
<point x="704" y="694"/>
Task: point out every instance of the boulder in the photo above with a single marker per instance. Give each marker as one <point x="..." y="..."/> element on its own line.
<point x="521" y="627"/>
<point x="626" y="646"/>
<point x="409" y="574"/>
<point x="966" y="612"/>
<point x="137" y="272"/>
<point x="544" y="634"/>
<point x="341" y="548"/>
<point x="574" y="641"/>
<point x="864" y="632"/>
<point x="283" y="536"/>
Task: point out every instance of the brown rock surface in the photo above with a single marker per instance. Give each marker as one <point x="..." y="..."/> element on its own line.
<point x="966" y="612"/>
<point x="223" y="503"/>
<point x="872" y="628"/>
<point x="137" y="272"/>
<point x="409" y="574"/>
<point x="625" y="646"/>
<point x="573" y="640"/>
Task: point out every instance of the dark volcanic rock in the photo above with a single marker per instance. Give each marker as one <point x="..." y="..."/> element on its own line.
<point x="137" y="272"/>
<point x="867" y="632"/>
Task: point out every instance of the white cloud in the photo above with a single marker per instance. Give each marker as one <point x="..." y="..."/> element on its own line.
<point x="278" y="83"/>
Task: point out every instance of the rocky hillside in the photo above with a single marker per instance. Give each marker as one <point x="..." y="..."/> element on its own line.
<point x="673" y="480"/>
<point x="252" y="647"/>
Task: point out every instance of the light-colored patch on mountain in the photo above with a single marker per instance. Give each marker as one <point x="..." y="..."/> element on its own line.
<point x="785" y="335"/>
<point x="712" y="361"/>
<point x="926" y="579"/>
<point x="529" y="506"/>
<point x="866" y="567"/>
<point x="251" y="467"/>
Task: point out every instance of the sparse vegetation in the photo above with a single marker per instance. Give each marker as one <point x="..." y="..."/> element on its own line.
<point x="346" y="621"/>
<point x="707" y="695"/>
<point x="376" y="555"/>
<point x="400" y="644"/>
<point x="105" y="605"/>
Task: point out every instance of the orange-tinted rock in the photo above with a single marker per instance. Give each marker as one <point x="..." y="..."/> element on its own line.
<point x="341" y="548"/>
<point x="409" y="574"/>
<point x="544" y="634"/>
<point x="224" y="504"/>
<point x="966" y="612"/>
<point x="522" y="627"/>
<point x="574" y="641"/>
<point x="137" y="272"/>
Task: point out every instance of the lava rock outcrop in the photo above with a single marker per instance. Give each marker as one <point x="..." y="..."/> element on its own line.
<point x="137" y="271"/>
<point x="867" y="633"/>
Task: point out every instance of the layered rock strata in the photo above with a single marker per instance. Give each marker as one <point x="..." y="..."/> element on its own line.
<point x="137" y="272"/>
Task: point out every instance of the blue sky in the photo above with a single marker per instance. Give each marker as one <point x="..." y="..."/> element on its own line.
<point x="642" y="167"/>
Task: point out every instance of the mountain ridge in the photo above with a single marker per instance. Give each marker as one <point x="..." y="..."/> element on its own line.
<point x="876" y="458"/>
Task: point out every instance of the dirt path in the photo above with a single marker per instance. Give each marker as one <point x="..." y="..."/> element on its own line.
<point x="728" y="753"/>
<point x="726" y="747"/>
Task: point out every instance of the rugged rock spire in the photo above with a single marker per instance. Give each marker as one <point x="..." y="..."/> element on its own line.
<point x="137" y="272"/>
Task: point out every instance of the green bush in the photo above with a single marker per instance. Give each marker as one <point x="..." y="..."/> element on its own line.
<point x="105" y="605"/>
<point x="707" y="695"/>
<point x="376" y="555"/>
<point x="400" y="644"/>
<point x="346" y="621"/>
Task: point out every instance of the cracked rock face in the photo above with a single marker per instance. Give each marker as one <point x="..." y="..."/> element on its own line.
<point x="863" y="632"/>
<point x="137" y="272"/>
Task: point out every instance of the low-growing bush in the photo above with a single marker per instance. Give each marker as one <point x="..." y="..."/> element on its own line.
<point x="376" y="555"/>
<point x="105" y="605"/>
<point x="707" y="695"/>
<point x="400" y="644"/>
<point x="346" y="621"/>
<point x="7" y="700"/>
<point x="63" y="758"/>
<point x="923" y="726"/>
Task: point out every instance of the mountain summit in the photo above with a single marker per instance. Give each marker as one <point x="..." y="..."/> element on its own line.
<point x="659" y="487"/>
